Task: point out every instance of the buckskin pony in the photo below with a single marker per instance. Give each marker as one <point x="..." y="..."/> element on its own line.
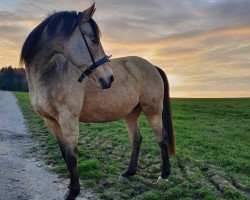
<point x="71" y="80"/>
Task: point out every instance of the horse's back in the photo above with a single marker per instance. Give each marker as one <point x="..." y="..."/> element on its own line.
<point x="149" y="80"/>
<point x="151" y="83"/>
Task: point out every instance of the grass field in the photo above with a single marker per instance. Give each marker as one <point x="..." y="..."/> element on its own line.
<point x="212" y="161"/>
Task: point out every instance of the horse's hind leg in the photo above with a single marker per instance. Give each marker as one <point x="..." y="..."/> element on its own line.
<point x="67" y="132"/>
<point x="154" y="116"/>
<point x="132" y="125"/>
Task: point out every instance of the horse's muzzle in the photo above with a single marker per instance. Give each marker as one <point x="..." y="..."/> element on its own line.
<point x="106" y="84"/>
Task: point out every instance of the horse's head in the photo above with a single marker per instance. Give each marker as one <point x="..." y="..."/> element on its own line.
<point x="84" y="49"/>
<point x="74" y="36"/>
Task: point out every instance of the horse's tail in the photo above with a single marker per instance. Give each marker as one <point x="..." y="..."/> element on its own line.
<point x="167" y="114"/>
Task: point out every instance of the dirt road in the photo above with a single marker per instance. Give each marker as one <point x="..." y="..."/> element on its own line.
<point x="21" y="176"/>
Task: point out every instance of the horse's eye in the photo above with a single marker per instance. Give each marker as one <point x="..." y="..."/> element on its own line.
<point x="95" y="41"/>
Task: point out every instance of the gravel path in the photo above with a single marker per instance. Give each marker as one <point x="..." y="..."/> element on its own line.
<point x="21" y="175"/>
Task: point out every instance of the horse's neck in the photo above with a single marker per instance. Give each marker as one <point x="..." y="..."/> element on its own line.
<point x="51" y="65"/>
<point x="45" y="50"/>
<point x="38" y="62"/>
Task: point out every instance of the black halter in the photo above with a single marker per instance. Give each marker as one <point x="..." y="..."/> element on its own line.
<point x="95" y="64"/>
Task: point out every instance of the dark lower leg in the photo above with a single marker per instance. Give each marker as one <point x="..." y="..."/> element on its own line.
<point x="134" y="158"/>
<point x="165" y="160"/>
<point x="62" y="149"/>
<point x="71" y="161"/>
<point x="132" y="125"/>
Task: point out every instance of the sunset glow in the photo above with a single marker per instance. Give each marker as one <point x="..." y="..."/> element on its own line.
<point x="203" y="46"/>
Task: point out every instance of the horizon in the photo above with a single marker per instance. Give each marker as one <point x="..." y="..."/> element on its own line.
<point x="203" y="46"/>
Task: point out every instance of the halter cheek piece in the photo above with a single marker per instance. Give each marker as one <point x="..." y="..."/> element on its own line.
<point x="95" y="64"/>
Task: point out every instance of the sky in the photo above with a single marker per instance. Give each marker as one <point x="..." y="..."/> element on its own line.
<point x="202" y="45"/>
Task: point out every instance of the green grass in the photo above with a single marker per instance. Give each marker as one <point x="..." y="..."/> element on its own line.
<point x="212" y="161"/>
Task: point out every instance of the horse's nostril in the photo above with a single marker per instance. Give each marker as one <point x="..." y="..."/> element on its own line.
<point x="111" y="79"/>
<point x="105" y="84"/>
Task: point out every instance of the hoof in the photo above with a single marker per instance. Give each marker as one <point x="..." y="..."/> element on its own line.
<point x="128" y="174"/>
<point x="162" y="180"/>
<point x="71" y="194"/>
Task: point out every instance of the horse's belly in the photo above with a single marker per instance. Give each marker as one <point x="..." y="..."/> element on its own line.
<point x="107" y="106"/>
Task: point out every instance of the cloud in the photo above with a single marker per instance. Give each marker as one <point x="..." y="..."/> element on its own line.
<point x="202" y="45"/>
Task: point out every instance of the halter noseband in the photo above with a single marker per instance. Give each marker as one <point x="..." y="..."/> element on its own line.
<point x="96" y="64"/>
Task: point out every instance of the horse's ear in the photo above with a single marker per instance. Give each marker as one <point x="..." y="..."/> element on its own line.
<point x="87" y="14"/>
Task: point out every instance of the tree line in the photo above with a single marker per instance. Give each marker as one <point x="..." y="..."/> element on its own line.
<point x="13" y="79"/>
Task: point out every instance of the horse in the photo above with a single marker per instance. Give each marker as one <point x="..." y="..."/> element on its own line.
<point x="71" y="80"/>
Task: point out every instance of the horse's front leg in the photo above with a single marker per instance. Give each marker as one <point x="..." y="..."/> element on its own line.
<point x="67" y="133"/>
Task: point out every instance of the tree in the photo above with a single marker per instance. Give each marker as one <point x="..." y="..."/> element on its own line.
<point x="13" y="79"/>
